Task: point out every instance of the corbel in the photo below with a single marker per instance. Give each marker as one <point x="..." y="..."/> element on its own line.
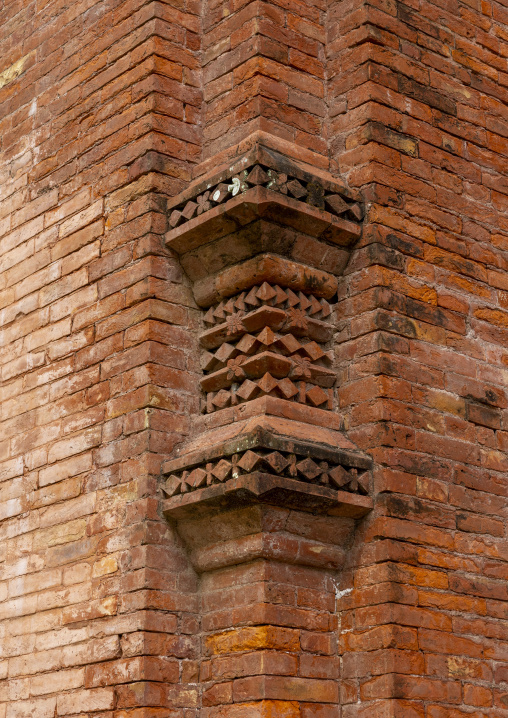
<point x="264" y="242"/>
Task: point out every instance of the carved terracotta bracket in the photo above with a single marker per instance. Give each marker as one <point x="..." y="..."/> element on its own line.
<point x="264" y="243"/>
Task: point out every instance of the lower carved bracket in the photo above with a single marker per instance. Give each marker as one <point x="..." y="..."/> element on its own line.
<point x="261" y="466"/>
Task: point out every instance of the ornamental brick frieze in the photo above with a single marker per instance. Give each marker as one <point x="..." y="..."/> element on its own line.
<point x="256" y="210"/>
<point x="262" y="466"/>
<point x="229" y="185"/>
<point x="268" y="341"/>
<point x="264" y="243"/>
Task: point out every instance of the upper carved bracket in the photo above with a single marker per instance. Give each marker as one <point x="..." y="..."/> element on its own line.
<point x="262" y="203"/>
<point x="235" y="181"/>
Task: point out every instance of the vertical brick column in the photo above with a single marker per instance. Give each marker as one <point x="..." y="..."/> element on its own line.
<point x="267" y="491"/>
<point x="269" y="629"/>
<point x="264" y="71"/>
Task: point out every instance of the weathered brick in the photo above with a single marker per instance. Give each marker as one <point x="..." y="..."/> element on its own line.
<point x="100" y="605"/>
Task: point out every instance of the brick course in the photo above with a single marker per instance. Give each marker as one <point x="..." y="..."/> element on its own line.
<point x="107" y="109"/>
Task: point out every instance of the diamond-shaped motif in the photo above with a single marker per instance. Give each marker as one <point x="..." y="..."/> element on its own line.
<point x="304" y="302"/>
<point x="225" y="352"/>
<point x="247" y="343"/>
<point x="287" y="388"/>
<point x="363" y="482"/>
<point x="247" y="390"/>
<point x="309" y="469"/>
<point x="189" y="210"/>
<point x="197" y="478"/>
<point x="357" y="211"/>
<point x="175" y="218"/>
<point x="208" y="361"/>
<point x="289" y="343"/>
<point x="325" y="309"/>
<point x="313" y="351"/>
<point x="292" y="298"/>
<point x="266" y="292"/>
<point x="338" y="205"/>
<point x="280" y="295"/>
<point x="251" y="298"/>
<point x="277" y="461"/>
<point x="240" y="302"/>
<point x="267" y="383"/>
<point x="222" y="470"/>
<point x="266" y="337"/>
<point x="249" y="461"/>
<point x="208" y="318"/>
<point x="316" y="395"/>
<point x="339" y="476"/>
<point x="221" y="399"/>
<point x="172" y="485"/>
<point x="296" y="189"/>
<point x="315" y="306"/>
<point x="219" y="311"/>
<point x="258" y="176"/>
<point x="229" y="306"/>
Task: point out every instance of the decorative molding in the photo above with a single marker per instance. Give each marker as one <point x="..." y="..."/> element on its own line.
<point x="298" y="466"/>
<point x="268" y="341"/>
<point x="256" y="211"/>
<point x="230" y="184"/>
<point x="260" y="465"/>
<point x="263" y="242"/>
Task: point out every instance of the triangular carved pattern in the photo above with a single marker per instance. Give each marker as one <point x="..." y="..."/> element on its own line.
<point x="313" y="193"/>
<point x="280" y="463"/>
<point x="268" y="341"/>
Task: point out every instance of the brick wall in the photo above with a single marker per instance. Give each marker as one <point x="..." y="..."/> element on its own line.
<point x="99" y="108"/>
<point x="264" y="70"/>
<point x="106" y="109"/>
<point x="422" y="90"/>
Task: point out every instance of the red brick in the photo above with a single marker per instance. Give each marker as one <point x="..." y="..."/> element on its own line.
<point x="99" y="363"/>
